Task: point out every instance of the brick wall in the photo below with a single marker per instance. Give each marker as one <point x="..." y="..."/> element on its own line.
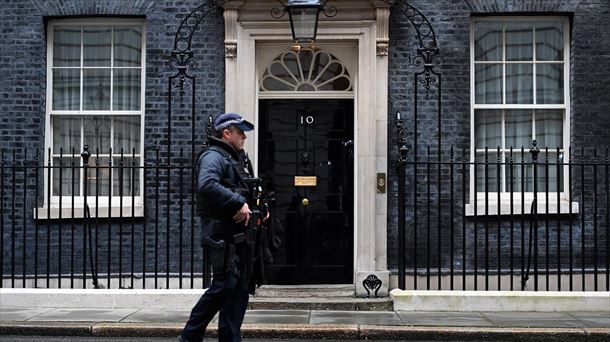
<point x="22" y="121"/>
<point x="22" y="116"/>
<point x="589" y="123"/>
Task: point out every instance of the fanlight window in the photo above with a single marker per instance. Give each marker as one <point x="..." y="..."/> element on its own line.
<point x="306" y="70"/>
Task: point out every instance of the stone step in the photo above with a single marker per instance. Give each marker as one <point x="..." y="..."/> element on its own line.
<point x="321" y="303"/>
<point x="305" y="291"/>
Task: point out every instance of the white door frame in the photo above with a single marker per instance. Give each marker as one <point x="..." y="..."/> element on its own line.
<point x="370" y="131"/>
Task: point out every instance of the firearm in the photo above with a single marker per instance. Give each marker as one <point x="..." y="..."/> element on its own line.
<point x="258" y="207"/>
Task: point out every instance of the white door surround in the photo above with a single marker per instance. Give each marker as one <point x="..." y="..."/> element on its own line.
<point x="251" y="44"/>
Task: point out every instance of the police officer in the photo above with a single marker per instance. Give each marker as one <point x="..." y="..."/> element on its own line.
<point x="224" y="211"/>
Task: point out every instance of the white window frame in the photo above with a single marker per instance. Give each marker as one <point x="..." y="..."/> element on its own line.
<point x="490" y="200"/>
<point x="102" y="202"/>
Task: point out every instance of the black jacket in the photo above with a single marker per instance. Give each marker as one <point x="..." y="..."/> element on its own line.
<point x="220" y="189"/>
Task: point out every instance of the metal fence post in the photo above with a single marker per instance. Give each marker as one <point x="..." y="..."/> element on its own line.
<point x="535" y="151"/>
<point x="87" y="233"/>
<point x="85" y="155"/>
<point x="402" y="155"/>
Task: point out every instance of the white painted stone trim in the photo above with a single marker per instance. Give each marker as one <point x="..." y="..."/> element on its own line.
<point x="489" y="301"/>
<point x="102" y="299"/>
<point x="100" y="211"/>
<point x="370" y="104"/>
<point x="551" y="301"/>
<point x="230" y="18"/>
<point x="505" y="208"/>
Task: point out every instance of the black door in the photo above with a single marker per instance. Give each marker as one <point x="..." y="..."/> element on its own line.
<point x="306" y="158"/>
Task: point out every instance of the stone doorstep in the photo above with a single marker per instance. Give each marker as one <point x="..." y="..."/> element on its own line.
<point x="315" y="297"/>
<point x="320" y="303"/>
<point x="309" y="331"/>
<point x="327" y="291"/>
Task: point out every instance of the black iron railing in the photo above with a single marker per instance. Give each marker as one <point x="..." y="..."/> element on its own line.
<point x="507" y="220"/>
<point x="504" y="220"/>
<point x="99" y="222"/>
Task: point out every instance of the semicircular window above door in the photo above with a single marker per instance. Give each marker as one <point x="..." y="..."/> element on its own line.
<point x="306" y="70"/>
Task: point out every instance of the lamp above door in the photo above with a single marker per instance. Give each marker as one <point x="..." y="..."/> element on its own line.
<point x="303" y="15"/>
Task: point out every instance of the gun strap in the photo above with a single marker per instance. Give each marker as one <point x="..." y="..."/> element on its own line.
<point x="248" y="164"/>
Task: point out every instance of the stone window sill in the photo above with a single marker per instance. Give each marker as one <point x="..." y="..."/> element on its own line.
<point x="505" y="208"/>
<point x="45" y="213"/>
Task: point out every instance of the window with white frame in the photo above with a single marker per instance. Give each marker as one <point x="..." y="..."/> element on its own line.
<point x="519" y="90"/>
<point x="96" y="95"/>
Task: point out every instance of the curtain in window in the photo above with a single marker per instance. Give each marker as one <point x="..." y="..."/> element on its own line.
<point x="519" y="37"/>
<point x="66" y="140"/>
<point x="66" y="67"/>
<point x="127" y="53"/>
<point x="96" y="46"/>
<point x="488" y="41"/>
<point x="127" y="46"/>
<point x="488" y="83"/>
<point x="549" y="83"/>
<point x="126" y="89"/>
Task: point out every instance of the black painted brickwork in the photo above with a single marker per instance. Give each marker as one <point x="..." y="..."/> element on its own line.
<point x="590" y="128"/>
<point x="22" y="103"/>
<point x="22" y="119"/>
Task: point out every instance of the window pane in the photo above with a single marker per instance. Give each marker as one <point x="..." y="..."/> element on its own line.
<point x="549" y="41"/>
<point x="279" y="71"/>
<point x="97" y="134"/>
<point x="125" y="176"/>
<point x="518" y="128"/>
<point x="487" y="41"/>
<point x="98" y="180"/>
<point x="519" y="41"/>
<point x="549" y="83"/>
<point x="549" y="132"/>
<point x="126" y="134"/>
<point x="96" y="89"/>
<point x="321" y="61"/>
<point x="291" y="63"/>
<point x="66" y="46"/>
<point x="66" y="134"/>
<point x="127" y="46"/>
<point x="522" y="177"/>
<point x="488" y="83"/>
<point x="339" y="83"/>
<point x="305" y="58"/>
<point x="488" y="128"/>
<point x="333" y="69"/>
<point x="549" y="167"/>
<point x="519" y="83"/>
<point x="66" y="89"/>
<point x="126" y="89"/>
<point x="269" y="83"/>
<point x="69" y="173"/>
<point x="96" y="46"/>
<point x="491" y="175"/>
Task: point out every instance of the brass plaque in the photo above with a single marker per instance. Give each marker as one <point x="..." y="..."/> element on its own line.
<point x="305" y="180"/>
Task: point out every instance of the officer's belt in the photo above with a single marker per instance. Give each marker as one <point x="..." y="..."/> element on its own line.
<point x="234" y="238"/>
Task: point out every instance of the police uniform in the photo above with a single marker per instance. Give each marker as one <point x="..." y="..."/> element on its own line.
<point x="221" y="192"/>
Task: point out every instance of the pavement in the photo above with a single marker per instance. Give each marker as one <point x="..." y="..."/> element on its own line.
<point x="316" y="324"/>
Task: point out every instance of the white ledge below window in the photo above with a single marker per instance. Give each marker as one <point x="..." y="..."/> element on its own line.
<point x="52" y="213"/>
<point x="505" y="208"/>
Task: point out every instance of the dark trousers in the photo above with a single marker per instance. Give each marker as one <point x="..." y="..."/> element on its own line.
<point x="229" y="296"/>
